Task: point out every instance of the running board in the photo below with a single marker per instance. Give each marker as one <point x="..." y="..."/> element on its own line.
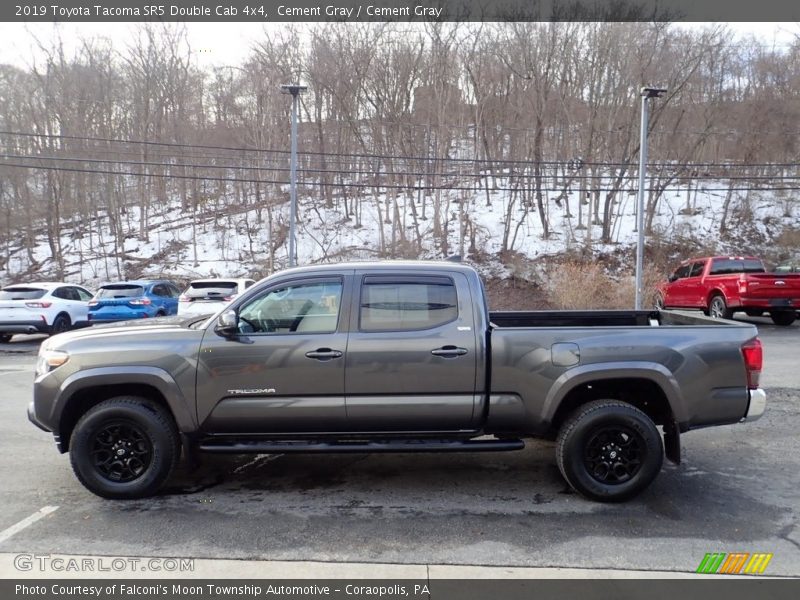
<point x="281" y="447"/>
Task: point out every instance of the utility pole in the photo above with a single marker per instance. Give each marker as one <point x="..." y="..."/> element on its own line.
<point x="646" y="93"/>
<point x="295" y="90"/>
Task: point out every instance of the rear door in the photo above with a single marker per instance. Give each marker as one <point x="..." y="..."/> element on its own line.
<point x="411" y="356"/>
<point x="284" y="371"/>
<point x="80" y="308"/>
<point x="693" y="288"/>
<point x="161" y="297"/>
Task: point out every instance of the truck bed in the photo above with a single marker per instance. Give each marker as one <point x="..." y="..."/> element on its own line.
<point x="556" y="351"/>
<point x="598" y="318"/>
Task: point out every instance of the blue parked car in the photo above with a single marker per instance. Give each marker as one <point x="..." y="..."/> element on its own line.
<point x="133" y="300"/>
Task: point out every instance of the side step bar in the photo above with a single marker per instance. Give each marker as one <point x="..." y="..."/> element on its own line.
<point x="281" y="447"/>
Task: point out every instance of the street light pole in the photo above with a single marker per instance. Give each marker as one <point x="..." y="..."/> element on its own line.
<point x="295" y="90"/>
<point x="646" y="93"/>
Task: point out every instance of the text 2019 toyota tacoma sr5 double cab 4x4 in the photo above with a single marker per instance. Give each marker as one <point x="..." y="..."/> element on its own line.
<point x="392" y="357"/>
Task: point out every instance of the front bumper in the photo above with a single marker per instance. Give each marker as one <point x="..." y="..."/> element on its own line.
<point x="757" y="405"/>
<point x="32" y="417"/>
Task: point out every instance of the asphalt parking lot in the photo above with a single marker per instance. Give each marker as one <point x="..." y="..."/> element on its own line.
<point x="736" y="491"/>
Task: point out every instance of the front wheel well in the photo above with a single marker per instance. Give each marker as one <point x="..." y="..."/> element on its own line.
<point x="645" y="394"/>
<point x="83" y="400"/>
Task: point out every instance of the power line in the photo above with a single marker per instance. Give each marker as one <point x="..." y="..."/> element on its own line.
<point x="528" y="175"/>
<point x="428" y="159"/>
<point x="377" y="186"/>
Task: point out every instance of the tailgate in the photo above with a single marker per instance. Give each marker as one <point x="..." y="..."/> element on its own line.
<point x="13" y="310"/>
<point x="773" y="286"/>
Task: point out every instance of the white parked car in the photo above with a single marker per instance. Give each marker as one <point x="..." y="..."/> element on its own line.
<point x="206" y="296"/>
<point x="42" y="308"/>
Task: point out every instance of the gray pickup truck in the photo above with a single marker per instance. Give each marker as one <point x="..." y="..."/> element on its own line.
<point x="392" y="357"/>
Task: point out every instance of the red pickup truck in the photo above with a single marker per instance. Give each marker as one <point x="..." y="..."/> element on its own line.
<point x="723" y="285"/>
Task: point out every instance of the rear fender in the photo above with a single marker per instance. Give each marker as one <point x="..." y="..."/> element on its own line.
<point x="584" y="374"/>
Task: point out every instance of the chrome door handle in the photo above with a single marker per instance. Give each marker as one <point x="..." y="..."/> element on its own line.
<point x="324" y="354"/>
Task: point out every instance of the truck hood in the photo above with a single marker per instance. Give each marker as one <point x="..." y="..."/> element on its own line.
<point x="138" y="328"/>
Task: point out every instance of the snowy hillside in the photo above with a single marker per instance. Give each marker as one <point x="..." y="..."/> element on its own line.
<point x="231" y="243"/>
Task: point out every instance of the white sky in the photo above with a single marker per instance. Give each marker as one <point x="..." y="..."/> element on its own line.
<point x="217" y="44"/>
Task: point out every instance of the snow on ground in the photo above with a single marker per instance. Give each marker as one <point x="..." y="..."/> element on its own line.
<point x="225" y="244"/>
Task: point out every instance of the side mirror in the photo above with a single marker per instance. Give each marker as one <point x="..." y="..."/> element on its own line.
<point x="227" y="324"/>
<point x="672" y="278"/>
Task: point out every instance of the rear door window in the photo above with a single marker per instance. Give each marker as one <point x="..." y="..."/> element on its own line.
<point x="160" y="290"/>
<point x="83" y="295"/>
<point x="404" y="304"/>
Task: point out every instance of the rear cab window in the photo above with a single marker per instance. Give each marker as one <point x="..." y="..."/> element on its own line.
<point x="730" y="266"/>
<point x="406" y="304"/>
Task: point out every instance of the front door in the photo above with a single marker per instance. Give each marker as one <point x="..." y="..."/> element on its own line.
<point x="284" y="370"/>
<point x="411" y="357"/>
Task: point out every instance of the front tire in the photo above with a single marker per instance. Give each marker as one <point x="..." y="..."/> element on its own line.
<point x="125" y="447"/>
<point x="609" y="451"/>
<point x="784" y="318"/>
<point x="5" y="337"/>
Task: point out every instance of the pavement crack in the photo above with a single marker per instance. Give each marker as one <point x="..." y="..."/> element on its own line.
<point x="785" y="533"/>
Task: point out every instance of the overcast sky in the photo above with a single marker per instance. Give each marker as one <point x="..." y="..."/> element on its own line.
<point x="228" y="43"/>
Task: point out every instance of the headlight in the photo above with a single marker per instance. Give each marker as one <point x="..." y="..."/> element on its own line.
<point x="49" y="360"/>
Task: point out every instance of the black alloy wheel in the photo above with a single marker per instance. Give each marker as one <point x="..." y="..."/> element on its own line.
<point x="121" y="451"/>
<point x="614" y="454"/>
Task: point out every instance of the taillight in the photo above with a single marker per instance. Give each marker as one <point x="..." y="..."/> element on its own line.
<point x="39" y="304"/>
<point x="140" y="302"/>
<point x="742" y="284"/>
<point x="229" y="298"/>
<point x="93" y="302"/>
<point x="753" y="362"/>
<point x="184" y="299"/>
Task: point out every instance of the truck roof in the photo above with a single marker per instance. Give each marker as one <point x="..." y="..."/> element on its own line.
<point x="417" y="265"/>
<point x="726" y="257"/>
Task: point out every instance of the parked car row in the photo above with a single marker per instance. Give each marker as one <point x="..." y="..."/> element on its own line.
<point x="55" y="307"/>
<point x="723" y="285"/>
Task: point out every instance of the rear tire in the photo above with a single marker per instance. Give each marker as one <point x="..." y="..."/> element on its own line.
<point x="60" y="325"/>
<point x="125" y="447"/>
<point x="609" y="451"/>
<point x="718" y="309"/>
<point x="784" y="318"/>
